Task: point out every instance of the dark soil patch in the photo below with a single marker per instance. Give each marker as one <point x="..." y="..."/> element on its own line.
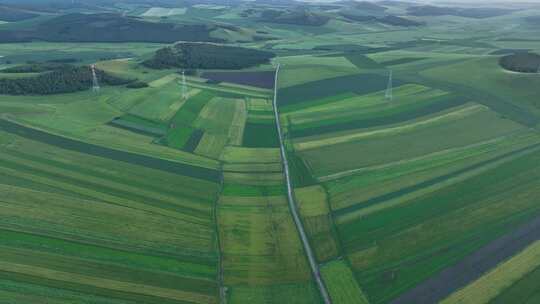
<point x="263" y="79"/>
<point x="359" y="84"/>
<point x="473" y="266"/>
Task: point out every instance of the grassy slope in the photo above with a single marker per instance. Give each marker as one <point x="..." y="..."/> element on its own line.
<point x="433" y="137"/>
<point x="436" y="229"/>
<point x="145" y="232"/>
<point x="387" y="266"/>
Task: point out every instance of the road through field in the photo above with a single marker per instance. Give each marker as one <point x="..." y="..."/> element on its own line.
<point x="292" y="204"/>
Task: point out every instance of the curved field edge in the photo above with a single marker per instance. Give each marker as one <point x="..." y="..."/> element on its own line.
<point x="79" y="146"/>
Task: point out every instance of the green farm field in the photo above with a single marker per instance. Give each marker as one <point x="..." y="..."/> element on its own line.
<point x="269" y="152"/>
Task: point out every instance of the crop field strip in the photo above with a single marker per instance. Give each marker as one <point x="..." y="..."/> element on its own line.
<point x="315" y="213"/>
<point x="430" y="196"/>
<point x="490" y="204"/>
<point x="158" y="103"/>
<point x="511" y="103"/>
<point x="222" y="121"/>
<point x="498" y="279"/>
<point x="228" y="90"/>
<point x="402" y="192"/>
<point x="139" y="125"/>
<point x="86" y="183"/>
<point x="258" y="240"/>
<point x="345" y="191"/>
<point x="342" y="286"/>
<point x="484" y="259"/>
<point x="293" y="207"/>
<point x="453" y="166"/>
<point x="106" y="190"/>
<point x="181" y="130"/>
<point x="523" y="291"/>
<point x="61" y="159"/>
<point x="262" y="79"/>
<point x="266" y="182"/>
<point x="325" y="88"/>
<point x="449" y="115"/>
<point x="454" y="131"/>
<point x="23" y="262"/>
<point x="182" y="272"/>
<point x="351" y="119"/>
<point x="74" y="145"/>
<point x="302" y="69"/>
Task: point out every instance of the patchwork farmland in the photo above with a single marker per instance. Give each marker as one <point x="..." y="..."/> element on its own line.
<point x="406" y="193"/>
<point x="230" y="153"/>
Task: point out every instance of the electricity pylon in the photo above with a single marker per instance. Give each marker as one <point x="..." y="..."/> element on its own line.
<point x="95" y="84"/>
<point x="184" y="86"/>
<point x="389" y="95"/>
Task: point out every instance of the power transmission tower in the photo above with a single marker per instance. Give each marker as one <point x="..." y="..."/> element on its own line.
<point x="95" y="84"/>
<point x="184" y="86"/>
<point x="389" y="89"/>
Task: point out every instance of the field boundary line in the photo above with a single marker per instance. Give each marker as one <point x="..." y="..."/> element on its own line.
<point x="99" y="150"/>
<point x="485" y="259"/>
<point x="222" y="296"/>
<point x="350" y="172"/>
<point x="292" y="204"/>
<point x="502" y="276"/>
<point x="366" y="207"/>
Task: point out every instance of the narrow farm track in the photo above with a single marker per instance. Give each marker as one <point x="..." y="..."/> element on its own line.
<point x="292" y="204"/>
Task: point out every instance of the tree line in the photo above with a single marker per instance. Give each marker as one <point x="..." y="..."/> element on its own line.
<point x="521" y="62"/>
<point x="206" y="56"/>
<point x="66" y="79"/>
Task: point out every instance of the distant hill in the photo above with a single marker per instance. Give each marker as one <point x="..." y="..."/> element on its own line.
<point x="207" y="56"/>
<point x="533" y="20"/>
<point x="11" y="14"/>
<point x="521" y="62"/>
<point x="385" y="19"/>
<point x="357" y="17"/>
<point x="368" y="6"/>
<point x="398" y="21"/>
<point x="479" y="13"/>
<point x="108" y="27"/>
<point x="296" y="17"/>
